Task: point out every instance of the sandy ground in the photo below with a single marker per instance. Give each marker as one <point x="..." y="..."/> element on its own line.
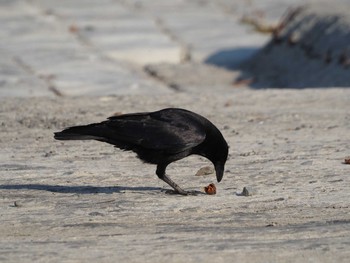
<point x="86" y="201"/>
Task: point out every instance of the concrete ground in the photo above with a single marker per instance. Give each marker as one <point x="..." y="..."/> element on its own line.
<point x="78" y="62"/>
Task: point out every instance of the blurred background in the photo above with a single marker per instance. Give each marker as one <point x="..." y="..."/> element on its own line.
<point x="84" y="47"/>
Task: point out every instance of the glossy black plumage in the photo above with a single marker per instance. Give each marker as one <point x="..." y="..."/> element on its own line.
<point x="160" y="137"/>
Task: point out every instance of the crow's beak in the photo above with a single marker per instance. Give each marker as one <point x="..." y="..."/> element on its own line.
<point x="219" y="168"/>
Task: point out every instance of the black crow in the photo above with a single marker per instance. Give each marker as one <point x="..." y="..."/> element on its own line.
<point x="159" y="137"/>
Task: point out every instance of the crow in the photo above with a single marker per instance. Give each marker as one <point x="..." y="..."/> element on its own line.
<point x="159" y="137"/>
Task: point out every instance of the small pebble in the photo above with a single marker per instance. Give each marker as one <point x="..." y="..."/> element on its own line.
<point x="271" y="224"/>
<point x="15" y="204"/>
<point x="205" y="171"/>
<point x="248" y="191"/>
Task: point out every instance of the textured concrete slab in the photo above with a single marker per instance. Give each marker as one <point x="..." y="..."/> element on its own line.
<point x="117" y="31"/>
<point x="17" y="80"/>
<point x="79" y="201"/>
<point x="47" y="48"/>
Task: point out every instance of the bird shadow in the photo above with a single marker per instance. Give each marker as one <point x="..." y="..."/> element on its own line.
<point x="78" y="189"/>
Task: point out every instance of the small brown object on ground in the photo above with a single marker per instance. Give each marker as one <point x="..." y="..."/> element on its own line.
<point x="210" y="189"/>
<point x="73" y="29"/>
<point x="347" y="160"/>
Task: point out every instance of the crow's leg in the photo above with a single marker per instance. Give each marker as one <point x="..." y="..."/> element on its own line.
<point x="161" y="174"/>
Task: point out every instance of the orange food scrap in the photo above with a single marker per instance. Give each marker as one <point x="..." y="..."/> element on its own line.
<point x="73" y="29"/>
<point x="210" y="189"/>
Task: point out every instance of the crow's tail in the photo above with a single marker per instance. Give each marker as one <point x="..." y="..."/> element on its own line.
<point x="86" y="132"/>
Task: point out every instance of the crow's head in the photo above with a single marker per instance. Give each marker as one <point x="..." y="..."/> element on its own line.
<point x="219" y="159"/>
<point x="219" y="168"/>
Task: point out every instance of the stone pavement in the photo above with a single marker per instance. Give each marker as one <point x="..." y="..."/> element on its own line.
<point x="71" y="48"/>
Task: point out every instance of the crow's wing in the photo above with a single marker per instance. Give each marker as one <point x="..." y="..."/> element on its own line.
<point x="171" y="131"/>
